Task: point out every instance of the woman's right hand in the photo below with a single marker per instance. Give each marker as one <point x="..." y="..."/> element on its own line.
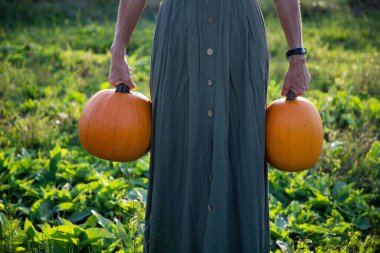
<point x="120" y="72"/>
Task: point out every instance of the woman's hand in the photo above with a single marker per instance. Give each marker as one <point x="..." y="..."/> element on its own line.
<point x="120" y="72"/>
<point x="297" y="78"/>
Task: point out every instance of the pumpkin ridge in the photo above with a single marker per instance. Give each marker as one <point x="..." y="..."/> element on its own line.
<point x="91" y="115"/>
<point x="97" y="114"/>
<point x="115" y="124"/>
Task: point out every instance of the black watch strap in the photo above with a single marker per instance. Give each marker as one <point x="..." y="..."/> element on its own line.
<point x="298" y="50"/>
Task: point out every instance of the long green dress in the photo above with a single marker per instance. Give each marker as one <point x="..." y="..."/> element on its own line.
<point x="208" y="190"/>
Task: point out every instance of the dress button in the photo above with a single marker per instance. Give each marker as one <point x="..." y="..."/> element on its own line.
<point x="210" y="51"/>
<point x="211" y="19"/>
<point x="209" y="82"/>
<point x="209" y="207"/>
<point x="209" y="113"/>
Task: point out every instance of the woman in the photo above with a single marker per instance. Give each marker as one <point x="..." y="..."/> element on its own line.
<point x="208" y="188"/>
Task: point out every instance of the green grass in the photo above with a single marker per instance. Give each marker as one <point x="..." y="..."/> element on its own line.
<point x="55" y="197"/>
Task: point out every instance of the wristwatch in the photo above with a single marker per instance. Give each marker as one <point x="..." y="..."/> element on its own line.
<point x="298" y="50"/>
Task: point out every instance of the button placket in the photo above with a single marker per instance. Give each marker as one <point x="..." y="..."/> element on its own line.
<point x="210" y="46"/>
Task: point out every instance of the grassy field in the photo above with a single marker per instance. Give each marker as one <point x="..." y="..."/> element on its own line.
<point x="55" y="197"/>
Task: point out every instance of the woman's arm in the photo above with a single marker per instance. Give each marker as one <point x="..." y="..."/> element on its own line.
<point x="297" y="77"/>
<point x="128" y="15"/>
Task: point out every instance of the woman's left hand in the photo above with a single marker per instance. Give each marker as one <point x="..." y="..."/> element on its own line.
<point x="297" y="78"/>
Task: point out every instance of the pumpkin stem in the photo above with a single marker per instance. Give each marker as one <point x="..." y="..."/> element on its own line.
<point x="123" y="88"/>
<point x="290" y="95"/>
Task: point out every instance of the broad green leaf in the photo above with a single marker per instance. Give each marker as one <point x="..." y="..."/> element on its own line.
<point x="281" y="222"/>
<point x="46" y="229"/>
<point x="361" y="204"/>
<point x="43" y="208"/>
<point x="64" y="195"/>
<point x="310" y="229"/>
<point x="340" y="192"/>
<point x="91" y="221"/>
<point x="4" y="187"/>
<point x="53" y="166"/>
<point x="340" y="228"/>
<point x="284" y="246"/>
<point x="362" y="222"/>
<point x="20" y="249"/>
<point x="98" y="233"/>
<point x="67" y="206"/>
<point x="277" y="232"/>
<point x="29" y="229"/>
<point x="319" y="201"/>
<point x="122" y="234"/>
<point x="69" y="227"/>
<point x="105" y="223"/>
<point x="25" y="153"/>
<point x="80" y="215"/>
<point x="137" y="193"/>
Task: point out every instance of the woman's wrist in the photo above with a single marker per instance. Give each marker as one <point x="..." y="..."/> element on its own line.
<point x="118" y="50"/>
<point x="297" y="59"/>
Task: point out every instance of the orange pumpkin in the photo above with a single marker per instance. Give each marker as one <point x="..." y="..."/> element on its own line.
<point x="294" y="134"/>
<point x="115" y="124"/>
